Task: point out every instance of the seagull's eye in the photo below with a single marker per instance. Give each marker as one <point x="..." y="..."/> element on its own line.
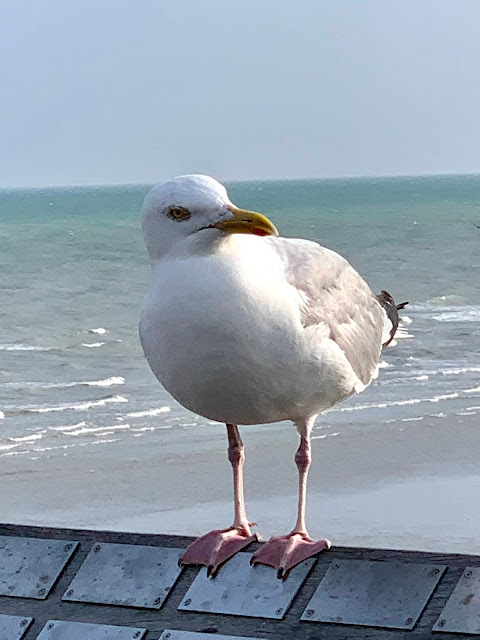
<point x="179" y="213"/>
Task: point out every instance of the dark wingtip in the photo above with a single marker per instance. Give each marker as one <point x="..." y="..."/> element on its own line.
<point x="391" y="309"/>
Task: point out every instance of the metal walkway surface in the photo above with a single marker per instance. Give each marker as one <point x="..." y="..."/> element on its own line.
<point x="63" y="584"/>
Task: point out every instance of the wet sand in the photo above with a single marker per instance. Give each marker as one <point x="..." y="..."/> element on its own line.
<point x="412" y="485"/>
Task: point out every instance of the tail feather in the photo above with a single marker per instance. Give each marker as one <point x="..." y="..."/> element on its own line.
<point x="391" y="309"/>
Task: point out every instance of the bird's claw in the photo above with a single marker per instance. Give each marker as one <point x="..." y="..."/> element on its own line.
<point x="285" y="552"/>
<point x="216" y="547"/>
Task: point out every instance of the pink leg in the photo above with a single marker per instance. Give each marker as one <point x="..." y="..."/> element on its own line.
<point x="218" y="546"/>
<point x="285" y="552"/>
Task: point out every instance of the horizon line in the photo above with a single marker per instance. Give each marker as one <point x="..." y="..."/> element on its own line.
<point x="246" y="180"/>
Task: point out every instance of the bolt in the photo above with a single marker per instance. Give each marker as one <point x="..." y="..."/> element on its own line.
<point x="137" y="635"/>
<point x="278" y="611"/>
<point x="50" y="626"/>
<point x="408" y="621"/>
<point x="68" y="547"/>
<point x="309" y="612"/>
<point x="157" y="601"/>
<point x="442" y="623"/>
<point x="69" y="593"/>
<point x="23" y="623"/>
<point x="97" y="548"/>
<point x="166" y="636"/>
<point x="41" y="592"/>
<point x="187" y="602"/>
<point x="434" y="572"/>
<point x="467" y="574"/>
<point x="336" y="565"/>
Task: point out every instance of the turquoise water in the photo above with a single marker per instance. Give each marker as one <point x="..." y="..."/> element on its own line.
<point x="74" y="272"/>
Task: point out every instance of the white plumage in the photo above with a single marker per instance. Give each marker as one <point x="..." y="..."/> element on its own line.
<point x="247" y="328"/>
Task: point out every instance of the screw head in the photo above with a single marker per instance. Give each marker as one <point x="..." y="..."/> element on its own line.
<point x="309" y="612"/>
<point x="434" y="572"/>
<point x="69" y="593"/>
<point x="157" y="601"/>
<point x="137" y="635"/>
<point x="23" y="623"/>
<point x="167" y="636"/>
<point x="50" y="626"/>
<point x="336" y="565"/>
<point x="442" y="623"/>
<point x="279" y="611"/>
<point x="96" y="548"/>
<point x="408" y="621"/>
<point x="467" y="574"/>
<point x="68" y="547"/>
<point x="187" y="602"/>
<point x="41" y="592"/>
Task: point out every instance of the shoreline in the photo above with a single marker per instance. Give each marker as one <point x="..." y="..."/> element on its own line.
<point x="409" y="485"/>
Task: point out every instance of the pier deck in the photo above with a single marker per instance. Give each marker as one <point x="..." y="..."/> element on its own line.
<point x="51" y="576"/>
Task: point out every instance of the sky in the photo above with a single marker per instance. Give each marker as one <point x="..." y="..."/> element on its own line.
<point x="135" y="91"/>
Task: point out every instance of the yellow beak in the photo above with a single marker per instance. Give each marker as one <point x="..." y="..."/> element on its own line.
<point x="247" y="222"/>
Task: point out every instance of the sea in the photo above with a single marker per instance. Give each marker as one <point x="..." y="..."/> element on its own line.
<point x="74" y="271"/>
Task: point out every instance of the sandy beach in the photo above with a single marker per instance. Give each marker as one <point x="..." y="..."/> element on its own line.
<point x="412" y="485"/>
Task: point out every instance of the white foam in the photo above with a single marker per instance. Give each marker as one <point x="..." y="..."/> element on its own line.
<point x="401" y="403"/>
<point x="72" y="446"/>
<point x="384" y="365"/>
<point x="2" y="415"/>
<point x="101" y="331"/>
<point x="458" y="314"/>
<point x="69" y="427"/>
<point x="149" y="412"/>
<point x="107" y="382"/>
<point x="32" y="438"/>
<point x="92" y="345"/>
<point x="7" y="447"/>
<point x="98" y="430"/>
<point x="473" y="390"/>
<point x="22" y="347"/>
<point x="80" y="406"/>
<point x="456" y="372"/>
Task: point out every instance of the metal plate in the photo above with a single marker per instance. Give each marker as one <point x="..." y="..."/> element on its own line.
<point x="170" y="634"/>
<point x="242" y="590"/>
<point x="373" y="594"/>
<point x="129" y="575"/>
<point x="461" y="614"/>
<point x="29" y="567"/>
<point x="13" y="627"/>
<point x="61" y="630"/>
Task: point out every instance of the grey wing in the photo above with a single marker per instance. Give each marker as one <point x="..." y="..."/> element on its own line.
<point x="332" y="292"/>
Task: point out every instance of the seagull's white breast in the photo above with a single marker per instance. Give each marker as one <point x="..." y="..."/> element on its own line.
<point x="222" y="332"/>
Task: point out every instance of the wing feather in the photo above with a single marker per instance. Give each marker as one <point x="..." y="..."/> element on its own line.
<point x="332" y="293"/>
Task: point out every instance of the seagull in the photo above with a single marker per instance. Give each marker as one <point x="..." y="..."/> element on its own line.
<point x="244" y="327"/>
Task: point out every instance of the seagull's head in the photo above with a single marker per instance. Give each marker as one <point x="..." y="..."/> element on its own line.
<point x="193" y="204"/>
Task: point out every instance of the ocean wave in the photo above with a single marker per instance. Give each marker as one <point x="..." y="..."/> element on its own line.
<point x="84" y="431"/>
<point x="76" y="406"/>
<point x="106" y="382"/>
<point x="68" y="427"/>
<point x="148" y="412"/>
<point x="22" y="347"/>
<point x="401" y="403"/>
<point x="7" y="447"/>
<point x="457" y="314"/>
<point x="32" y="438"/>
